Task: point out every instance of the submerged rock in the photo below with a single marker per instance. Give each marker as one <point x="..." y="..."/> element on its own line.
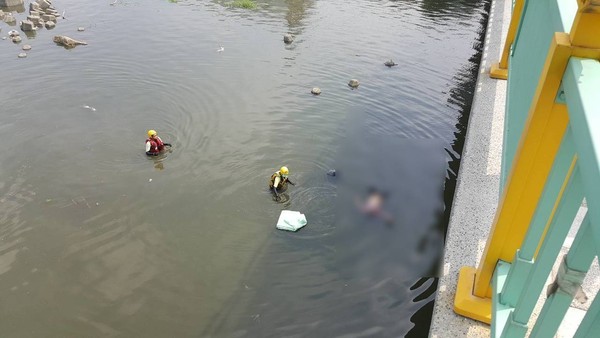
<point x="67" y="41"/>
<point x="48" y="17"/>
<point x="353" y="83"/>
<point x="43" y="4"/>
<point x="26" y="47"/>
<point x="27" y="26"/>
<point x="22" y="55"/>
<point x="16" y="39"/>
<point x="33" y="18"/>
<point x="9" y="18"/>
<point x="390" y="63"/>
<point x="11" y="3"/>
<point x="12" y="33"/>
<point x="80" y="29"/>
<point x="332" y="172"/>
<point x="288" y="38"/>
<point x="316" y="91"/>
<point x="49" y="24"/>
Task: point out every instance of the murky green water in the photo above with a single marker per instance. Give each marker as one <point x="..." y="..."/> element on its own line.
<point x="98" y="240"/>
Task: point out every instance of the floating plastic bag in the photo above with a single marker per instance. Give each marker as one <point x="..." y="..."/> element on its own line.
<point x="291" y="220"/>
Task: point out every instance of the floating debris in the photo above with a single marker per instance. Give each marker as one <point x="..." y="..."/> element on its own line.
<point x="90" y="108"/>
<point x="221" y="48"/>
<point x="80" y="29"/>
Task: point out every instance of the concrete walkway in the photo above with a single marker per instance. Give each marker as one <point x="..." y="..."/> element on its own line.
<point x="477" y="189"/>
<point x="477" y="193"/>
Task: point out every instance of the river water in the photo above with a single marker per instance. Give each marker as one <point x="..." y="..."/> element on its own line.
<point x="98" y="240"/>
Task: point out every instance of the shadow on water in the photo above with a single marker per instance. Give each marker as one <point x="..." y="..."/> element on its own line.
<point x="445" y="8"/>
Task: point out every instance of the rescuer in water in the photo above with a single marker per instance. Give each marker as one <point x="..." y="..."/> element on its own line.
<point x="154" y="145"/>
<point x="279" y="181"/>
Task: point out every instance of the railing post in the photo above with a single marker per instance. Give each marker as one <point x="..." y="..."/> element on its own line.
<point x="549" y="202"/>
<point x="568" y="282"/>
<point x="557" y="232"/>
<point x="539" y="144"/>
<point x="590" y="325"/>
<point x="500" y="70"/>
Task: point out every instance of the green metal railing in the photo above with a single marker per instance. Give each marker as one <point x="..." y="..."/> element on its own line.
<point x="517" y="286"/>
<point x="551" y="163"/>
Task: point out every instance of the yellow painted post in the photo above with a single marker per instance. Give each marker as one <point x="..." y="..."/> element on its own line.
<point x="500" y="70"/>
<point x="542" y="135"/>
<point x="585" y="32"/>
<point x="543" y="132"/>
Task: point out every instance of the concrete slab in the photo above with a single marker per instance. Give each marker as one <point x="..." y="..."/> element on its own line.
<point x="477" y="191"/>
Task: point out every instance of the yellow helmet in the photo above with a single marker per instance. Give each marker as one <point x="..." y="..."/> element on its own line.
<point x="151" y="132"/>
<point x="284" y="171"/>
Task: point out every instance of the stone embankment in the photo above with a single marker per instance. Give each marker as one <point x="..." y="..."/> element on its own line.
<point x="41" y="14"/>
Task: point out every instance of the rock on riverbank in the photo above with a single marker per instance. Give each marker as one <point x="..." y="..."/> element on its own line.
<point x="10" y="3"/>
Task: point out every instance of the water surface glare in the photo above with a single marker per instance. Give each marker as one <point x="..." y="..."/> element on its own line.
<point x="98" y="240"/>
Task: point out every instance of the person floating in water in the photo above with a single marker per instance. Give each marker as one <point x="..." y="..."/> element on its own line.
<point x="372" y="206"/>
<point x="279" y="181"/>
<point x="154" y="145"/>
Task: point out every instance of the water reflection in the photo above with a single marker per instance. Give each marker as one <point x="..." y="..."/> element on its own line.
<point x="449" y="9"/>
<point x="297" y="11"/>
<point x="15" y="195"/>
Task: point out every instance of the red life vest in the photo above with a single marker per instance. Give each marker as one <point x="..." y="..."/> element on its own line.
<point x="156" y="145"/>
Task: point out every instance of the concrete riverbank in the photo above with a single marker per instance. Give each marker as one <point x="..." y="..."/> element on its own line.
<point x="477" y="189"/>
